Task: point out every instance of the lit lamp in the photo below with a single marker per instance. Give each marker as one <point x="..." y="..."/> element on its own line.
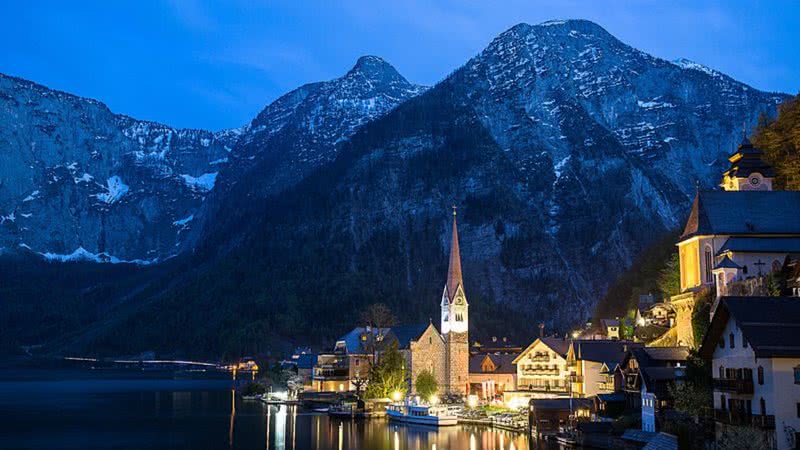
<point x="397" y="395"/>
<point x="472" y="401"/>
<point x="434" y="399"/>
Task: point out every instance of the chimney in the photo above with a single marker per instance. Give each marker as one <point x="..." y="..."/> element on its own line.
<point x="541" y="330"/>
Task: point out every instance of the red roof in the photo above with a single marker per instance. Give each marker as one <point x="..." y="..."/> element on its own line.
<point x="454" y="278"/>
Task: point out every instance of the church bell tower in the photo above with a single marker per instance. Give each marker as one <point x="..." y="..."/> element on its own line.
<point x="455" y="321"/>
<point x="748" y="171"/>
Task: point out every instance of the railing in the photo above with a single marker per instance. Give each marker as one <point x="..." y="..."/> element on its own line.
<point x="540" y="371"/>
<point x="543" y="388"/>
<point x="737" y="418"/>
<point x="331" y="372"/>
<point x="738" y="386"/>
<point x="540" y="358"/>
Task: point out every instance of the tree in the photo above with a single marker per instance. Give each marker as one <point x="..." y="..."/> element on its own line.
<point x="669" y="278"/>
<point x="388" y="375"/>
<point x="742" y="438"/>
<point x="701" y="314"/>
<point x="690" y="397"/>
<point x="426" y="384"/>
<point x="378" y="315"/>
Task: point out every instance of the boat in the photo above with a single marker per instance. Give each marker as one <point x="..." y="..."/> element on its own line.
<point x="566" y="438"/>
<point x="353" y="408"/>
<point x="422" y="414"/>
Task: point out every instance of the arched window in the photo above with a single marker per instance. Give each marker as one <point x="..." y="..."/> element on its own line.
<point x="763" y="405"/>
<point x="709" y="261"/>
<point x="761" y="377"/>
<point x="721" y="373"/>
<point x="731" y="341"/>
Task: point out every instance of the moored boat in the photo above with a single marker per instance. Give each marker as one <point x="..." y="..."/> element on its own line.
<point x="432" y="415"/>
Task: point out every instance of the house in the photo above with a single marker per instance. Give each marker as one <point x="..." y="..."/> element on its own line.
<point x="549" y="415"/>
<point x="640" y="366"/>
<point x="302" y="362"/>
<point x="346" y="367"/>
<point x="753" y="344"/>
<point x="655" y="395"/>
<point x="592" y="365"/>
<point x="541" y="371"/>
<point x="491" y="374"/>
<point x="610" y="328"/>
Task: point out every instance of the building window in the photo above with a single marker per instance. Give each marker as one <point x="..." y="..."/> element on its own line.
<point x="761" y="376"/>
<point x="744" y="269"/>
<point x="798" y="410"/>
<point x="722" y="342"/>
<point x="721" y="372"/>
<point x="731" y="341"/>
<point x="763" y="405"/>
<point x="797" y="375"/>
<point x="709" y="265"/>
<point x="722" y="404"/>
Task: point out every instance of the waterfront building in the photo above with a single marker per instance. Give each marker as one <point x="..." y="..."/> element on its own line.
<point x="542" y="368"/>
<point x="492" y="374"/>
<point x="646" y="373"/>
<point x="592" y="365"/>
<point x="346" y="367"/>
<point x="753" y="344"/>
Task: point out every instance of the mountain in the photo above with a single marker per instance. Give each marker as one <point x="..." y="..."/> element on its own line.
<point x="80" y="182"/>
<point x="566" y="151"/>
<point x="301" y="131"/>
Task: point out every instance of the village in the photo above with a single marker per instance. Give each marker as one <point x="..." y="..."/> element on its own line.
<point x="718" y="361"/>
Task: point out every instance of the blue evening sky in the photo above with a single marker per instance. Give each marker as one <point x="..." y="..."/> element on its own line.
<point x="214" y="65"/>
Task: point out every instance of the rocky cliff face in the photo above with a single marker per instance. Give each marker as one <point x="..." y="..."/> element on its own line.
<point x="567" y="150"/>
<point x="78" y="181"/>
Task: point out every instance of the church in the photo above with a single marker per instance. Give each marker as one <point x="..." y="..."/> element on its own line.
<point x="444" y="352"/>
<point x="735" y="237"/>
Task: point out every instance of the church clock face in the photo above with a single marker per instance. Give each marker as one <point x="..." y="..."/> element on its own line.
<point x="754" y="181"/>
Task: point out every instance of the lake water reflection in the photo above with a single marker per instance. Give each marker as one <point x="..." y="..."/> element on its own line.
<point x="76" y="410"/>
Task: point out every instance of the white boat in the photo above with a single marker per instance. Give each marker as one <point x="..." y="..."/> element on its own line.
<point x="437" y="416"/>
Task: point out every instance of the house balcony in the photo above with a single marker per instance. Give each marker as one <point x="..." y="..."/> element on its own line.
<point x="736" y="386"/>
<point x="533" y="371"/>
<point x="728" y="417"/>
<point x="544" y="388"/>
<point x="331" y="373"/>
<point x="540" y="358"/>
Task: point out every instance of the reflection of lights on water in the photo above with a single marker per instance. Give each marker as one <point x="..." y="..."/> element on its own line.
<point x="396" y="441"/>
<point x="433" y="447"/>
<point x="341" y="436"/>
<point x="502" y="441"/>
<point x="269" y="413"/>
<point x="280" y="428"/>
<point x="512" y="447"/>
<point x="233" y="417"/>
<point x="473" y="443"/>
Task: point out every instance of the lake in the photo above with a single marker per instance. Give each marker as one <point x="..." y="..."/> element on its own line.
<point x="83" y="409"/>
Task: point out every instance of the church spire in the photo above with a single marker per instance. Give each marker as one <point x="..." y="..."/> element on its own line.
<point x="454" y="278"/>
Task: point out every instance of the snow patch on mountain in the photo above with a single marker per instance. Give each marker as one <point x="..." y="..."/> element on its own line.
<point x="115" y="189"/>
<point x="203" y="183"/>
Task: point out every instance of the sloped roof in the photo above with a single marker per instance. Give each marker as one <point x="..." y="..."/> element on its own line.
<point x="558" y="345"/>
<point x="407" y="333"/>
<point x="609" y="352"/>
<point x="771" y="325"/>
<point x="454" y="277"/>
<point x="353" y="343"/>
<point x="727" y="263"/>
<point x="667" y="353"/>
<point x="662" y="441"/>
<point x="744" y="212"/>
<point x="503" y="362"/>
<point x="761" y="245"/>
<point x="610" y="322"/>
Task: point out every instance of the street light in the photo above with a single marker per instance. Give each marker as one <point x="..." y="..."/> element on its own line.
<point x="397" y="395"/>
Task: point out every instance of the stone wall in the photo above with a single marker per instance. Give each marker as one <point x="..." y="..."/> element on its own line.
<point x="429" y="353"/>
<point x="457" y="362"/>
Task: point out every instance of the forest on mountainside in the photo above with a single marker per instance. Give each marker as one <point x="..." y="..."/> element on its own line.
<point x="780" y="141"/>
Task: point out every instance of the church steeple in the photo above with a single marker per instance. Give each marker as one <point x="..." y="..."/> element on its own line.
<point x="748" y="170"/>
<point x="454" y="278"/>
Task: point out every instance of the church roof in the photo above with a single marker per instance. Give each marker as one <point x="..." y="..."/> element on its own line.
<point x="744" y="212"/>
<point x="746" y="160"/>
<point x="761" y="245"/>
<point x="454" y="278"/>
<point x="771" y="325"/>
<point x="727" y="263"/>
<point x="407" y="333"/>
